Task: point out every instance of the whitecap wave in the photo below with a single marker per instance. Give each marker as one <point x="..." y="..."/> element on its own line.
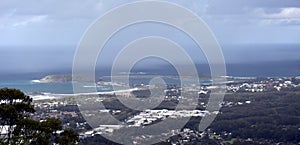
<point x="89" y="86"/>
<point x="35" y="81"/>
<point x="42" y="97"/>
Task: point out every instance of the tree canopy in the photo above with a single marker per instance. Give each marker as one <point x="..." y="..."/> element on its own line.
<point x="17" y="127"/>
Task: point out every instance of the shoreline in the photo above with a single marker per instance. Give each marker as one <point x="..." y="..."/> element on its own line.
<point x="45" y="96"/>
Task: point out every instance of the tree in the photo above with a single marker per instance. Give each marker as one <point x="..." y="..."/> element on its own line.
<point x="14" y="106"/>
<point x="68" y="137"/>
<point x="15" y="109"/>
<point x="36" y="132"/>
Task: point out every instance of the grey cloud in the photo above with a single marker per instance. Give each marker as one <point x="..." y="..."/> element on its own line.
<point x="55" y="9"/>
<point x="233" y="7"/>
<point x="283" y="16"/>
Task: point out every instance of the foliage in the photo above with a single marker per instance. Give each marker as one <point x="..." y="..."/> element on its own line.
<point x="68" y="137"/>
<point x="271" y="116"/>
<point x="14" y="106"/>
<point x="15" y="109"/>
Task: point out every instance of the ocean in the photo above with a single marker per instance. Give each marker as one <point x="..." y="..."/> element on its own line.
<point x="36" y="88"/>
<point x="25" y="82"/>
<point x="29" y="86"/>
<point x="241" y="61"/>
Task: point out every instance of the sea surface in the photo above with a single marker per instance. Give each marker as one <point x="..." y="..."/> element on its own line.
<point x="28" y="84"/>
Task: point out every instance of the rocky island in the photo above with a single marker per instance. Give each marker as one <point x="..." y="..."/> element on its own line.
<point x="66" y="78"/>
<point x="56" y="78"/>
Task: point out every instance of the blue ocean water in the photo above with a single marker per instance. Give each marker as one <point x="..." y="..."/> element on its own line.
<point x="28" y="86"/>
<point x="274" y="69"/>
<point x="33" y="86"/>
<point x="241" y="60"/>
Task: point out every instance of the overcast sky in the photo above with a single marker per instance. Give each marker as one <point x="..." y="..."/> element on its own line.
<point x="34" y="33"/>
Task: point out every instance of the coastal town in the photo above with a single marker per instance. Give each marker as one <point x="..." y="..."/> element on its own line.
<point x="67" y="110"/>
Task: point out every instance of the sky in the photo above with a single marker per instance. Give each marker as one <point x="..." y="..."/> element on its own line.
<point x="43" y="35"/>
